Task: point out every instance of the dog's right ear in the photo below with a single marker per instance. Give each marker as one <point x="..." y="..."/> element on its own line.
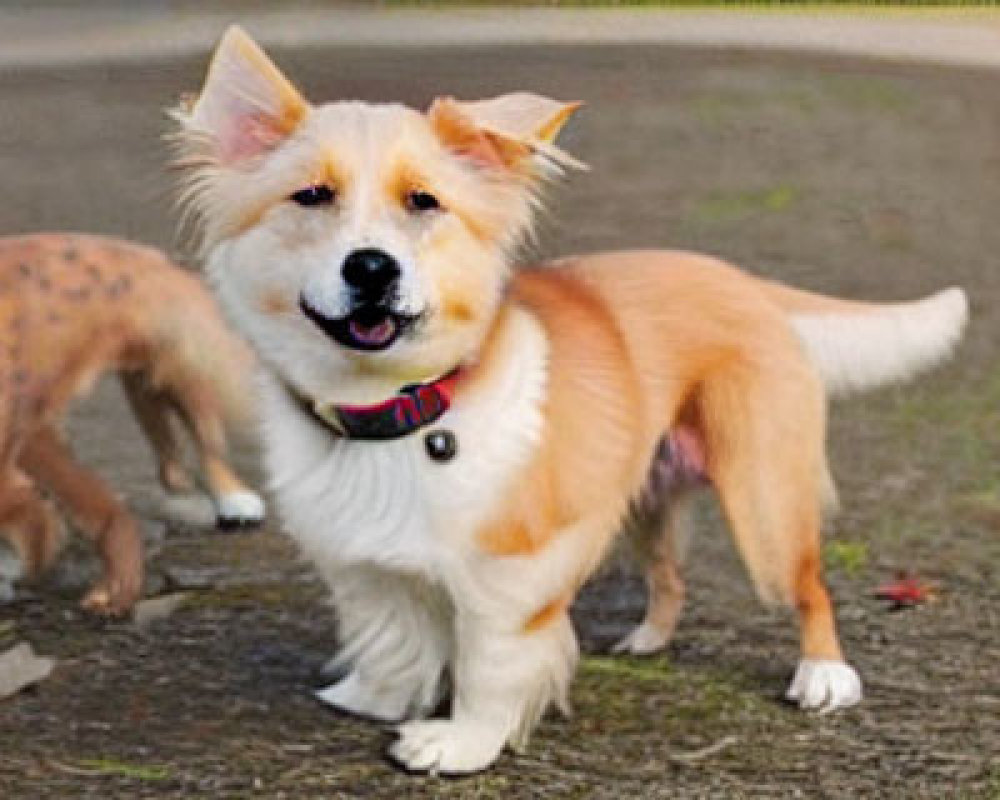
<point x="246" y="107"/>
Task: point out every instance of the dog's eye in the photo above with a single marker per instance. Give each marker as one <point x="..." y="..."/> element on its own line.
<point x="418" y="200"/>
<point x="319" y="195"/>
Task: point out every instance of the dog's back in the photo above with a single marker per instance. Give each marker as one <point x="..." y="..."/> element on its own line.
<point x="77" y="305"/>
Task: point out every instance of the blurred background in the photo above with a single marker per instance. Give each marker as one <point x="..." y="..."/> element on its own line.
<point x="849" y="149"/>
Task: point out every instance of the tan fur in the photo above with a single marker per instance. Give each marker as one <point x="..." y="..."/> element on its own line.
<point x="628" y="361"/>
<point x="590" y="453"/>
<point x="547" y="615"/>
<point x="73" y="307"/>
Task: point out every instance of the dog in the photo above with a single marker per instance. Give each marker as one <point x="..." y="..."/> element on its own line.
<point x="73" y="307"/>
<point x="454" y="439"/>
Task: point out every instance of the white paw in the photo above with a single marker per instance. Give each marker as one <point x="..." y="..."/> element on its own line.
<point x="350" y="694"/>
<point x="643" y="640"/>
<point x="442" y="746"/>
<point x="824" y="685"/>
<point x="239" y="508"/>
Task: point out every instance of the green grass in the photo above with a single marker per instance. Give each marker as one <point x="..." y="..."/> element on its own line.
<point x="965" y="425"/>
<point x="726" y="206"/>
<point x="110" y="766"/>
<point x="641" y="669"/>
<point x="8" y="629"/>
<point x="851" y="558"/>
<point x="868" y="93"/>
<point x="614" y="692"/>
<point x="846" y="5"/>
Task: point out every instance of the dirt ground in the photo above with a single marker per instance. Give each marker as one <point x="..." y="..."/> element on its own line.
<point x="858" y="178"/>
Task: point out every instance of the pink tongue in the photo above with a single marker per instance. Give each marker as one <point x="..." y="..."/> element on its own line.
<point x="374" y="334"/>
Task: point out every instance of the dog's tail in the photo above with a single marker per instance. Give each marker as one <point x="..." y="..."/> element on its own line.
<point x="197" y="350"/>
<point x="857" y="346"/>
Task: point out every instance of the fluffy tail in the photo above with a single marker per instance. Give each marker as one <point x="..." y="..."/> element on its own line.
<point x="858" y="346"/>
<point x="195" y="347"/>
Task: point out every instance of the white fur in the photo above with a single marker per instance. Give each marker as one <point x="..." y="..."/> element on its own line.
<point x="243" y="506"/>
<point x="444" y="746"/>
<point x="643" y="640"/>
<point x="383" y="703"/>
<point x="350" y="502"/>
<point x="395" y="643"/>
<point x="861" y="350"/>
<point x="393" y="534"/>
<point x="825" y="685"/>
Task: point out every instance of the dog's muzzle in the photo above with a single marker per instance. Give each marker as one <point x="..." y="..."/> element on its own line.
<point x="373" y="323"/>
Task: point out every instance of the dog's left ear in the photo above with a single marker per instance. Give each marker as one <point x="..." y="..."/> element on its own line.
<point x="246" y="108"/>
<point x="512" y="131"/>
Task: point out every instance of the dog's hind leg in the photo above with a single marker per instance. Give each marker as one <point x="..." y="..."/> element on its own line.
<point x="235" y="504"/>
<point x="152" y="411"/>
<point x="96" y="511"/>
<point x="823" y="680"/>
<point x="765" y="458"/>
<point x="659" y="537"/>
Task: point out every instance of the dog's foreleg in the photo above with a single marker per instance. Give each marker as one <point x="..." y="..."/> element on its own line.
<point x="394" y="645"/>
<point x="515" y="653"/>
<point x="507" y="671"/>
<point x="199" y="408"/>
<point x="93" y="507"/>
<point x="152" y="411"/>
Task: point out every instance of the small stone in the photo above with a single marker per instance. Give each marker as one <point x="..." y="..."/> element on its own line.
<point x="157" y="608"/>
<point x="192" y="509"/>
<point x="20" y="668"/>
<point x="192" y="577"/>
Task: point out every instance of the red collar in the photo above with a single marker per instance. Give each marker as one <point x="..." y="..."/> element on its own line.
<point x="414" y="407"/>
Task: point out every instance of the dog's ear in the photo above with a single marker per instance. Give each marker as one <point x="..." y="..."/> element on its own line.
<point x="510" y="131"/>
<point x="246" y="107"/>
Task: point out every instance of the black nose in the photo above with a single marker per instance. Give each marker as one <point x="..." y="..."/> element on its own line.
<point x="371" y="272"/>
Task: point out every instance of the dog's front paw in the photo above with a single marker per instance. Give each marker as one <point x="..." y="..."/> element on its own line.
<point x="351" y="695"/>
<point x="825" y="685"/>
<point x="113" y="596"/>
<point x="442" y="746"/>
<point x="239" y="509"/>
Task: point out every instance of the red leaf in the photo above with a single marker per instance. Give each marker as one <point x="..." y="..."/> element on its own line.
<point x="905" y="591"/>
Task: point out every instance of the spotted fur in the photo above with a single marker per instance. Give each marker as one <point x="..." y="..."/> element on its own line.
<point x="82" y="306"/>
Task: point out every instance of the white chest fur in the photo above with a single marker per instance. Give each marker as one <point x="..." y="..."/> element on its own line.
<point x="388" y="503"/>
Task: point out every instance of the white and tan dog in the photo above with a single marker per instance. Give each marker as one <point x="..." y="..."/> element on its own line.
<point x="455" y="442"/>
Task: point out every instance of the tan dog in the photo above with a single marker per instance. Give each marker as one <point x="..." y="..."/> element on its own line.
<point x="455" y="442"/>
<point x="71" y="308"/>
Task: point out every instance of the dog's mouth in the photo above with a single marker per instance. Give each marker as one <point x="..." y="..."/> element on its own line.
<point x="368" y="327"/>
